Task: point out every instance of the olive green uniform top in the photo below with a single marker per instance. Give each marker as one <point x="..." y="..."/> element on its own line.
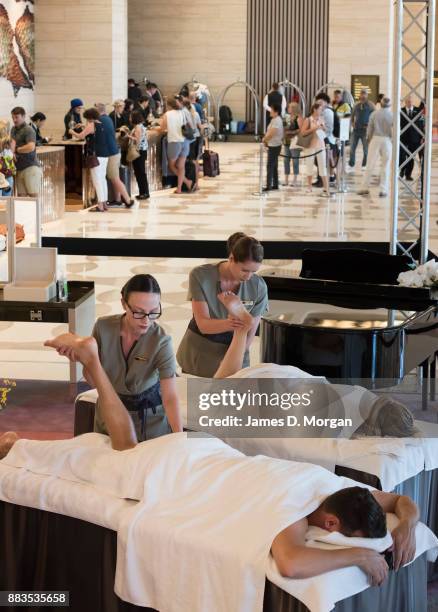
<point x="150" y="360"/>
<point x="200" y="354"/>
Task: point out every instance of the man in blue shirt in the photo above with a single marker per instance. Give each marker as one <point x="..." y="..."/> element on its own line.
<point x="360" y="119"/>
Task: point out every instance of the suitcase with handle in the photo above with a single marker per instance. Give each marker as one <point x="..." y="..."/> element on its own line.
<point x="210" y="163"/>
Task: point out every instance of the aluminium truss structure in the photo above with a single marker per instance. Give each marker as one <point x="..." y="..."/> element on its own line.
<point x="414" y="37"/>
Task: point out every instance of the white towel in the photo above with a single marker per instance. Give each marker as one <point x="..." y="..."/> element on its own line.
<point x="321" y="593"/>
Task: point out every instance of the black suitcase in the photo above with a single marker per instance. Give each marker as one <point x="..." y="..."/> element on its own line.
<point x="210" y="163"/>
<point x="125" y="176"/>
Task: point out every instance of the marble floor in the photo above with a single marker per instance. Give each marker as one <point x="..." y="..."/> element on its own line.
<point x="223" y="205"/>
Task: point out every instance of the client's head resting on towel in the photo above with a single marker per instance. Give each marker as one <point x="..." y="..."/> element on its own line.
<point x="353" y="512"/>
<point x="388" y="417"/>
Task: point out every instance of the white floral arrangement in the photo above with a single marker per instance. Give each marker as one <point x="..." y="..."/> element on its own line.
<point x="425" y="275"/>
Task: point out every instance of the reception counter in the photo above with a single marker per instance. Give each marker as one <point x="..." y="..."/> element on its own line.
<point x="52" y="162"/>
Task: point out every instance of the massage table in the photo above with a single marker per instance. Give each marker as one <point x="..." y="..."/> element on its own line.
<point x="60" y="535"/>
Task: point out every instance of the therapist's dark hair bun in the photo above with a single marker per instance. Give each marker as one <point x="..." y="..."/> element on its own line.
<point x="143" y="283"/>
<point x="244" y="248"/>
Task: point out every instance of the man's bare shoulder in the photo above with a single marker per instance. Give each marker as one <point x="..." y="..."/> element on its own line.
<point x="294" y="534"/>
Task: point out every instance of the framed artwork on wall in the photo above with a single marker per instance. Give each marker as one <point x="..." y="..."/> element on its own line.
<point x="371" y="82"/>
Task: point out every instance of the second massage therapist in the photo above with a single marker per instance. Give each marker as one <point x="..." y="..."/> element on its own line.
<point x="211" y="329"/>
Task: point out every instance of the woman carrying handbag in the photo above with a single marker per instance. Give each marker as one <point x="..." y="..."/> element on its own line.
<point x="95" y="155"/>
<point x="311" y="139"/>
<point x="137" y="154"/>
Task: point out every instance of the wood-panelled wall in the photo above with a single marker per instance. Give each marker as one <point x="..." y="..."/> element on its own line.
<point x="287" y="39"/>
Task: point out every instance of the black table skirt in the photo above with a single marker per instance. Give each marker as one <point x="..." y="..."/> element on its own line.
<point x="47" y="551"/>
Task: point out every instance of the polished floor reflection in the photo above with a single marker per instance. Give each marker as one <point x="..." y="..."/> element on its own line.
<point x="227" y="202"/>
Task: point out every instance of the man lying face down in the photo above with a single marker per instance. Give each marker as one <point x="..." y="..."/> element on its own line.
<point x="353" y="511"/>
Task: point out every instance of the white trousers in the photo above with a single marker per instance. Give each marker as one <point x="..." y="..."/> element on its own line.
<point x="380" y="146"/>
<point x="321" y="160"/>
<point x="98" y="177"/>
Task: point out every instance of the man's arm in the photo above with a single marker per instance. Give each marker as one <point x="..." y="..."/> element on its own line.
<point x="295" y="560"/>
<point x="404" y="534"/>
<point x="26" y="148"/>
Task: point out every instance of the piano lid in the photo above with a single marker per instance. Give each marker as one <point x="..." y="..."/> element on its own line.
<point x="350" y="295"/>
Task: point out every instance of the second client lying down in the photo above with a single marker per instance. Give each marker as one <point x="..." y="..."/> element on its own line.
<point x="337" y="505"/>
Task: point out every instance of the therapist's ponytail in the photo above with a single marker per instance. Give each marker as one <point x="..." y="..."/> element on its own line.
<point x="143" y="283"/>
<point x="244" y="248"/>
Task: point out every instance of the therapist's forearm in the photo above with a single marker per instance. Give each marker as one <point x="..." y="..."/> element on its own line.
<point x="213" y="326"/>
<point x="173" y="413"/>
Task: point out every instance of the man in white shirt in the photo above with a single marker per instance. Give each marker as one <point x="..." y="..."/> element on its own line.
<point x="379" y="135"/>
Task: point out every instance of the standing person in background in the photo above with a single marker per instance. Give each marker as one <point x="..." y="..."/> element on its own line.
<point x="178" y="147"/>
<point x="121" y="194"/>
<point x="142" y="105"/>
<point x="340" y="104"/>
<point x="118" y="115"/>
<point x="129" y="107"/>
<point x="7" y="164"/>
<point x="139" y="137"/>
<point x="195" y="151"/>
<point x="360" y="119"/>
<point x="37" y="121"/>
<point x="291" y="151"/>
<point x="274" y="96"/>
<point x="94" y="134"/>
<point x="273" y="140"/>
<point x="330" y="118"/>
<point x="23" y="146"/>
<point x="73" y="119"/>
<point x="313" y="126"/>
<point x="134" y="91"/>
<point x="380" y="138"/>
<point x="379" y="101"/>
<point x="410" y="137"/>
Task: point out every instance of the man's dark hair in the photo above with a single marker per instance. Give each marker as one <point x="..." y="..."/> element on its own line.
<point x="92" y="114"/>
<point x="137" y="117"/>
<point x="143" y="283"/>
<point x="18" y="110"/>
<point x="276" y="107"/>
<point x="143" y="99"/>
<point x="132" y="82"/>
<point x="151" y="86"/>
<point x="338" y="91"/>
<point x="323" y="96"/>
<point x="38" y="117"/>
<point x="275" y="86"/>
<point x="357" y="510"/>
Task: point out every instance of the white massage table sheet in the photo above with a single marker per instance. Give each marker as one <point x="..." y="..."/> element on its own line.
<point x="80" y="500"/>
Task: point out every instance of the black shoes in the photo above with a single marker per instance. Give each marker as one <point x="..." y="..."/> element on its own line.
<point x="318" y="182"/>
<point x="142" y="196"/>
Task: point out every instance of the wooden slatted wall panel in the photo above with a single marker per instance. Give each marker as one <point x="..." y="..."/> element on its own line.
<point x="287" y="39"/>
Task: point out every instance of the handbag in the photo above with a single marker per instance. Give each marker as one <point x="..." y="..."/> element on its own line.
<point x="90" y="157"/>
<point x="188" y="132"/>
<point x="304" y="141"/>
<point x="133" y="153"/>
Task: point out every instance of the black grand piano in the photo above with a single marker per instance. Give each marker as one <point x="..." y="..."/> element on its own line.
<point x="375" y="333"/>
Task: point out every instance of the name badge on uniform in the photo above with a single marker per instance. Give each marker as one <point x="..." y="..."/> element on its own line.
<point x="141" y="358"/>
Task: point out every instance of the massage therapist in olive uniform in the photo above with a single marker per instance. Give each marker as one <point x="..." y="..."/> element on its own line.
<point x="138" y="358"/>
<point x="211" y="329"/>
